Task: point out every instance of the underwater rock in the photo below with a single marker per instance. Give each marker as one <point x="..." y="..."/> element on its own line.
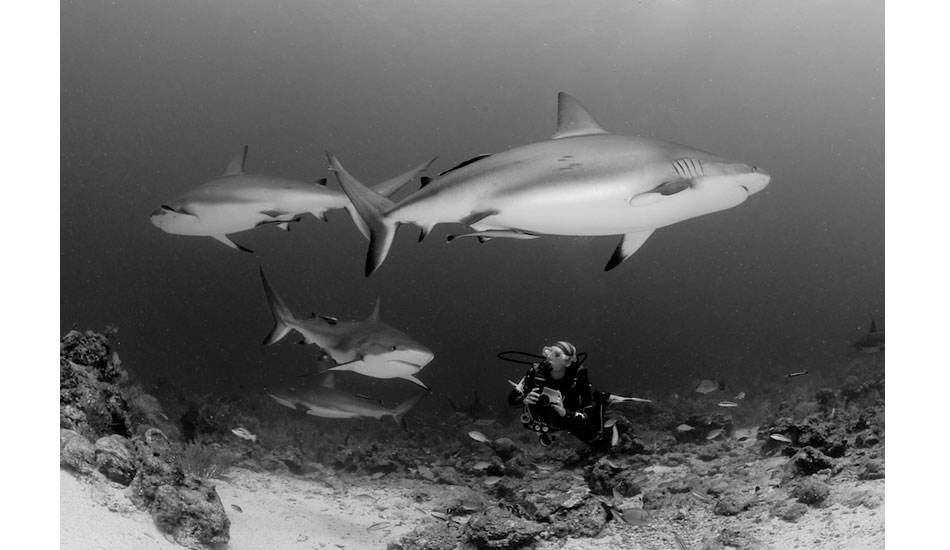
<point x="587" y="519"/>
<point x="76" y="452"/>
<point x="498" y="528"/>
<point x="870" y="468"/>
<point x="90" y="401"/>
<point x="115" y="459"/>
<point x="789" y="511"/>
<point x="182" y="505"/>
<point x="285" y="457"/>
<point x="809" y="460"/>
<point x="429" y="536"/>
<point x="731" y="505"/>
<point x="733" y="538"/>
<point x="505" y="448"/>
<point x="811" y="492"/>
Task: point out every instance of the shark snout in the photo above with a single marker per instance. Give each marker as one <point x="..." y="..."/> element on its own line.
<point x="755" y="179"/>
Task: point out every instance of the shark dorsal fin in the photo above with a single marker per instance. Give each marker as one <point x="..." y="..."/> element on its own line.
<point x="375" y="315"/>
<point x="573" y="119"/>
<point x="236" y="166"/>
<point x="329" y="381"/>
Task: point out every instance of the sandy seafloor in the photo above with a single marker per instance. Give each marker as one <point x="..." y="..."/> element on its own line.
<point x="284" y="511"/>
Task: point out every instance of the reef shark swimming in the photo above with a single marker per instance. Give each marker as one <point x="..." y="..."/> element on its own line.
<point x="582" y="181"/>
<point x="327" y="401"/>
<point x="238" y="201"/>
<point x="871" y="342"/>
<point x="371" y="347"/>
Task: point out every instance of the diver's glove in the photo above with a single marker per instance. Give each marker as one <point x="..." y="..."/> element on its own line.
<point x="580" y="417"/>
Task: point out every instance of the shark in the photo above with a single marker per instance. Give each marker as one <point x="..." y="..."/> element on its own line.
<point x="371" y="348"/>
<point x="238" y="201"/>
<point x="326" y="401"/>
<point x="583" y="181"/>
<point x="871" y="342"/>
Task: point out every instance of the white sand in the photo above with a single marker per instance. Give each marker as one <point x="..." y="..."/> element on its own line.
<point x="289" y="512"/>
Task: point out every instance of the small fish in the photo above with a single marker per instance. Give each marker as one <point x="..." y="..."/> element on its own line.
<point x="782" y="438"/>
<point x="708" y="386"/>
<point x="481" y="465"/>
<point x="491" y="480"/>
<point x="242" y="432"/>
<point x="684" y="428"/>
<point x="484" y="422"/>
<point x="743" y="438"/>
<point x="636" y="516"/>
<point x="740" y="396"/>
<point x="794" y="374"/>
<point x="378" y="525"/>
<point x="699" y="497"/>
<point x="478" y="436"/>
<point x="237" y="508"/>
<point x="728" y="404"/>
<point x="714" y="434"/>
<point x="680" y="545"/>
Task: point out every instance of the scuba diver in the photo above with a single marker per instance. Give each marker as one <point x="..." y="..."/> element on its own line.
<point x="557" y="395"/>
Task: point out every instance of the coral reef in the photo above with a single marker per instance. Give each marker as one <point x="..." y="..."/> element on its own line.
<point x="96" y="438"/>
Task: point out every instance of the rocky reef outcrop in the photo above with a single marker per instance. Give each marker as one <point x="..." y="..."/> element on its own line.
<point x="96" y="440"/>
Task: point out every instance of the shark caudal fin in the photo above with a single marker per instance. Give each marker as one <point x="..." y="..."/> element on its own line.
<point x="371" y="208"/>
<point x="281" y="312"/>
<point x="403" y="408"/>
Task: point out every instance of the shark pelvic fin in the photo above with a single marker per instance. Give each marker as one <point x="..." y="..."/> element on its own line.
<point x="629" y="244"/>
<point x="573" y="119"/>
<point x="224" y="239"/>
<point x="236" y="166"/>
<point x="370" y="208"/>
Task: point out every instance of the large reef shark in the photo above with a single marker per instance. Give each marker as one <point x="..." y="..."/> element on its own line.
<point x="326" y="401"/>
<point x="237" y="201"/>
<point x="582" y="181"/>
<point x="872" y="342"/>
<point x="371" y="347"/>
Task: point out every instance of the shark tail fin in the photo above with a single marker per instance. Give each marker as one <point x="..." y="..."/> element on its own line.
<point x="370" y="215"/>
<point x="281" y="313"/>
<point x="403" y="408"/>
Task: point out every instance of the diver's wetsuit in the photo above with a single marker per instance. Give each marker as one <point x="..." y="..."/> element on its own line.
<point x="577" y="396"/>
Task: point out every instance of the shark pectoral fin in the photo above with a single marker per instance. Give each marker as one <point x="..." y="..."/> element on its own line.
<point x="476" y="217"/>
<point x="629" y="244"/>
<point x="415" y="381"/>
<point x="283" y="401"/>
<point x="657" y="193"/>
<point x="224" y="239"/>
<point x="236" y="166"/>
<point x="673" y="187"/>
